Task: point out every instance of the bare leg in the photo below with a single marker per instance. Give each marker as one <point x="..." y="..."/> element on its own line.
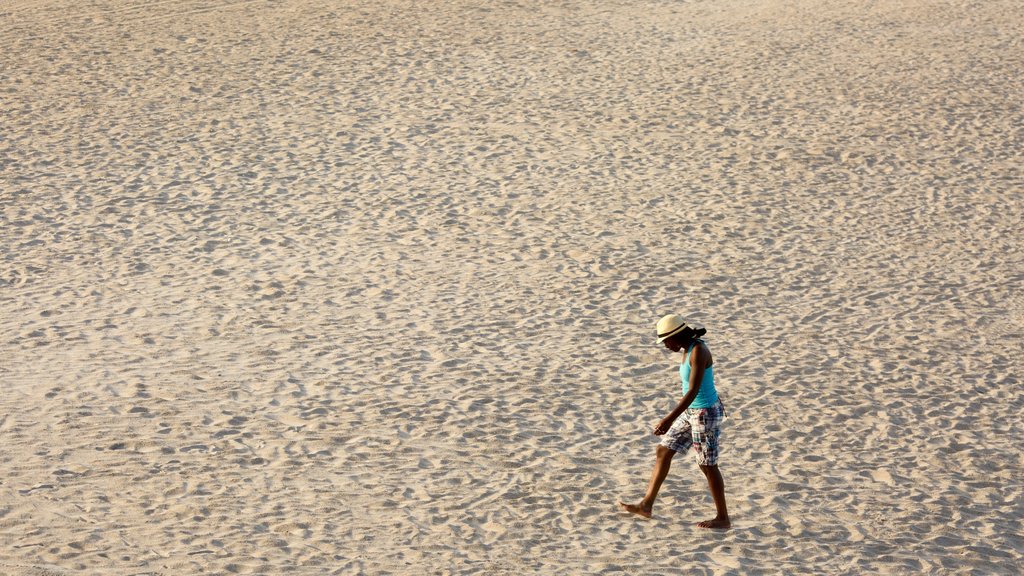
<point x="662" y="464"/>
<point x="717" y="486"/>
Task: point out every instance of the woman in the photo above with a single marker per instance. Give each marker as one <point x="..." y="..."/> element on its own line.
<point x="693" y="424"/>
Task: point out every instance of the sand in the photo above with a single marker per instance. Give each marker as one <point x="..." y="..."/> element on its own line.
<point x="310" y="287"/>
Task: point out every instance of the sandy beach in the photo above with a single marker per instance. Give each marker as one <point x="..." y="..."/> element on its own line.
<point x="311" y="287"/>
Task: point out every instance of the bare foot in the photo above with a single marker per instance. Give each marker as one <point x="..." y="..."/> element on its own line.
<point x="638" y="509"/>
<point x="716" y="523"/>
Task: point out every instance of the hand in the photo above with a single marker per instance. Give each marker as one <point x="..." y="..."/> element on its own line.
<point x="663" y="426"/>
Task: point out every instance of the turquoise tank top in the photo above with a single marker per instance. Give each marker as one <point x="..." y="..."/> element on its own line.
<point x="706" y="396"/>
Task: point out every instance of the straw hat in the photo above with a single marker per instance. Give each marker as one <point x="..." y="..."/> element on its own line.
<point x="669" y="326"/>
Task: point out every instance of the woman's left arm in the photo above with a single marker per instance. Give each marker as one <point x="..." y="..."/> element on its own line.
<point x="698" y="359"/>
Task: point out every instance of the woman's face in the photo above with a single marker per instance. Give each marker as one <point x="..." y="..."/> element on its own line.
<point x="674" y="343"/>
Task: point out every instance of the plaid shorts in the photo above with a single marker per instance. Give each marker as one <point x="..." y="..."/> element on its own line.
<point x="698" y="429"/>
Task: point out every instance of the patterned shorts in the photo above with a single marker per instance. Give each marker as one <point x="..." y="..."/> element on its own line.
<point x="698" y="429"/>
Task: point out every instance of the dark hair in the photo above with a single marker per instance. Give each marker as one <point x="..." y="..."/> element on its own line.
<point x="690" y="333"/>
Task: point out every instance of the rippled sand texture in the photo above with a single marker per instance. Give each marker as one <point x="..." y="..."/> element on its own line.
<point x="311" y="287"/>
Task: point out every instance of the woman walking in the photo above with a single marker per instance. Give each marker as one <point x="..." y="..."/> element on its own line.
<point x="693" y="424"/>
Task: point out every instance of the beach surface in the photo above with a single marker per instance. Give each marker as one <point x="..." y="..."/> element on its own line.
<point x="312" y="287"/>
